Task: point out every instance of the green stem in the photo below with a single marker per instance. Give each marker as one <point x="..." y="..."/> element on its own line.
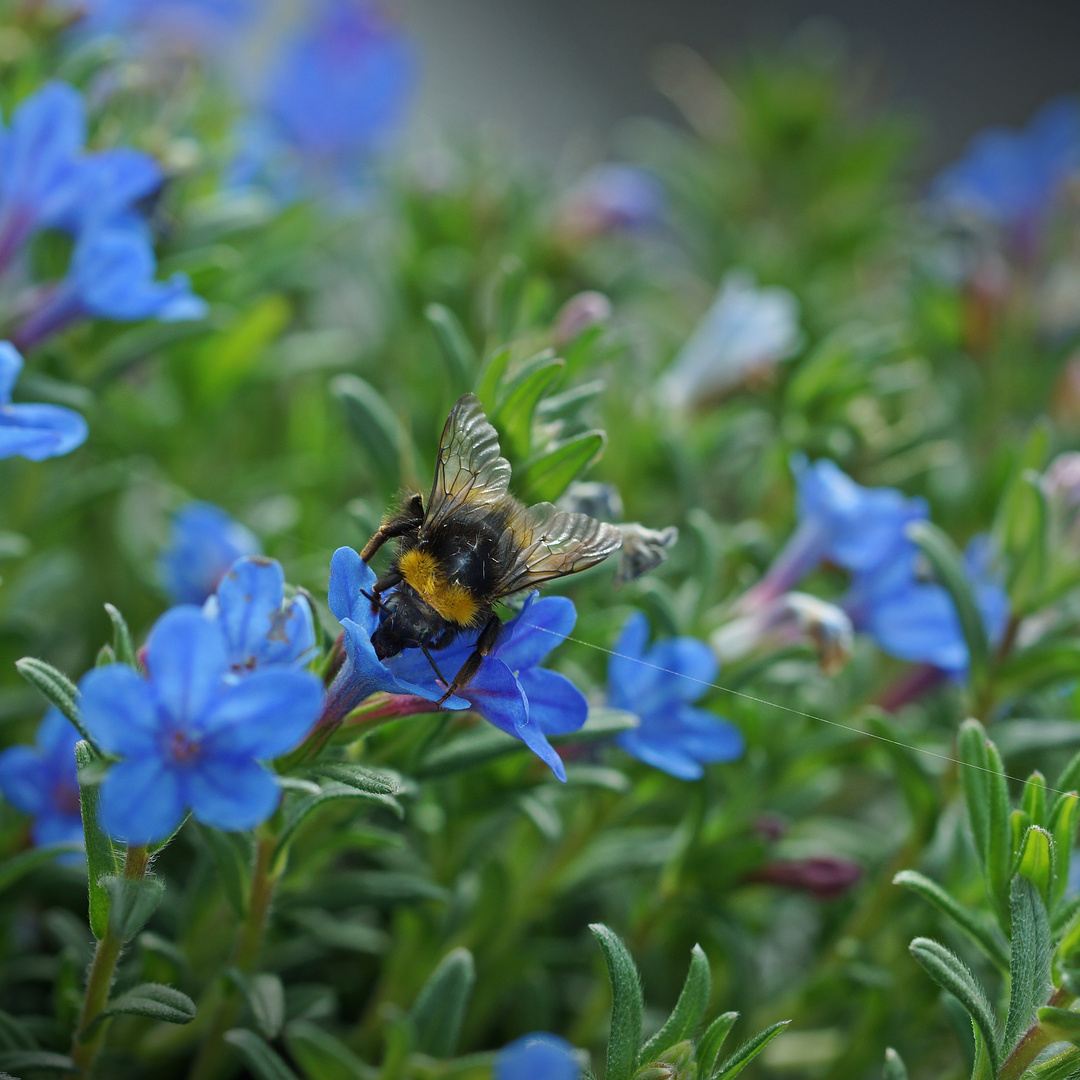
<point x="84" y="1049"/>
<point x="1035" y="1040"/>
<point x="213" y="1054"/>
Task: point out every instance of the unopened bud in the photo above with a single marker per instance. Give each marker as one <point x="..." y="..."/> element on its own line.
<point x="601" y="501"/>
<point x="642" y="550"/>
<point x="580" y="313"/>
<point x="825" y="877"/>
<point x="674" y="1063"/>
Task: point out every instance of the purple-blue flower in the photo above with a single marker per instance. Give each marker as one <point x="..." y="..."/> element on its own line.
<point x="510" y="690"/>
<point x="537" y="1056"/>
<point x="188" y="22"/>
<point x="205" y="543"/>
<point x="112" y="276"/>
<point x="1013" y="177"/>
<point x="190" y="735"/>
<point x="43" y="781"/>
<point x="260" y="629"/>
<point x="614" y="198"/>
<point x="33" y="431"/>
<point x="658" y="685"/>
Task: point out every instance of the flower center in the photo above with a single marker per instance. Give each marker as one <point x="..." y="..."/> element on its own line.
<point x="183" y="747"/>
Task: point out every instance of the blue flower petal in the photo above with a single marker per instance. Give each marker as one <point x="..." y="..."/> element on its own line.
<point x="40" y="431"/>
<point x="248" y="609"/>
<point x="536" y="630"/>
<point x="262" y="716"/>
<point x="120" y="710"/>
<point x="556" y="705"/>
<point x="232" y="794"/>
<point x="11" y="365"/>
<point x="670" y="757"/>
<point x="537" y="1056"/>
<point x="683" y="668"/>
<point x="625" y="672"/>
<point x="205" y="543"/>
<point x="920" y="624"/>
<point x="187" y="660"/>
<point x="350" y="578"/>
<point x="142" y="800"/>
<point x="24" y="780"/>
<point x="55" y="828"/>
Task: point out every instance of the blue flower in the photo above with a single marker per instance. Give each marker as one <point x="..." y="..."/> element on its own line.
<point x="205" y="543"/>
<point x="111" y="276"/>
<point x="613" y="198"/>
<point x="658" y="685"/>
<point x="840" y="521"/>
<point x="260" y="629"/>
<point x="509" y="690"/>
<point x="198" y="22"/>
<point x="537" y="1056"/>
<point x="33" y="431"/>
<point x="43" y="781"/>
<point x="916" y="620"/>
<point x="188" y="736"/>
<point x="1013" y="177"/>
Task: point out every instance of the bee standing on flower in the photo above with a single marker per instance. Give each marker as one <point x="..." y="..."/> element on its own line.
<point x="471" y="546"/>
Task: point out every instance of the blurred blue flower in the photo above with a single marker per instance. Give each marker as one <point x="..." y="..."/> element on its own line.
<point x="202" y="23"/>
<point x="537" y="1056"/>
<point x="47" y="181"/>
<point x="260" y="629"/>
<point x="1013" y="177"/>
<point x="111" y="276"/>
<point x="189" y="737"/>
<point x="747" y="329"/>
<point x="840" y="521"/>
<point x="509" y="690"/>
<point x="33" y="431"/>
<point x="916" y="620"/>
<point x="205" y="543"/>
<point x="43" y="781"/>
<point x="658" y="685"/>
<point x="614" y="198"/>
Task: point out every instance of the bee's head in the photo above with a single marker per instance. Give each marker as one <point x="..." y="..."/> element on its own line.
<point x="407" y="623"/>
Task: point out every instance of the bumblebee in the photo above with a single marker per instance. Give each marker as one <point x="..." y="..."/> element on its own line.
<point x="472" y="545"/>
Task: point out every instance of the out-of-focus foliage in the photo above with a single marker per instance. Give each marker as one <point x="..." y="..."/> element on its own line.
<point x="679" y="340"/>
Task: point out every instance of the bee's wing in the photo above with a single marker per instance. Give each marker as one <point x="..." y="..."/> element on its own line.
<point x="546" y="543"/>
<point x="470" y="469"/>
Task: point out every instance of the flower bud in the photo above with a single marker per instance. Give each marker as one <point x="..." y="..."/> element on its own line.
<point x="601" y="501"/>
<point x="642" y="550"/>
<point x="580" y="313"/>
<point x="822" y="876"/>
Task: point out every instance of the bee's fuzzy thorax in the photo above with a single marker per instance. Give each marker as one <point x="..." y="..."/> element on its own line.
<point x="454" y="602"/>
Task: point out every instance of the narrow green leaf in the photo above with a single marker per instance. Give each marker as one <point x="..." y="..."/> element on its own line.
<point x="361" y="777"/>
<point x="985" y="936"/>
<point x="101" y="859"/>
<point x="951" y="974"/>
<point x="56" y="688"/>
<point x="999" y="855"/>
<point x="1065" y="1066"/>
<point x="375" y="427"/>
<point x="1036" y="861"/>
<point x="976" y="780"/>
<point x="1029" y="972"/>
<point x="546" y="477"/>
<point x="454" y="346"/>
<point x="624" y="1043"/>
<point x="232" y="854"/>
<point x="439" y="1010"/>
<point x="1033" y="799"/>
<point x="1063" y="1024"/>
<point x="712" y="1042"/>
<point x="688" y="1011"/>
<point x="748" y="1051"/>
<point x="24" y="1062"/>
<point x="1069" y="777"/>
<point x="1064" y="816"/>
<point x="14" y="1034"/>
<point x="155" y="1001"/>
<point x="514" y="417"/>
<point x="228" y="357"/>
<point x="894" y="1066"/>
<point x="265" y="997"/>
<point x="491" y="379"/>
<point x="131" y="902"/>
<point x="122" y="645"/>
<point x="322" y="1056"/>
<point x="948" y="567"/>
<point x="18" y="866"/>
<point x="261" y="1058"/>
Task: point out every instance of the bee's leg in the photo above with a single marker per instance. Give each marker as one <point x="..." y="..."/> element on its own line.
<point x="391" y="578"/>
<point x="407" y="521"/>
<point x="485" y="644"/>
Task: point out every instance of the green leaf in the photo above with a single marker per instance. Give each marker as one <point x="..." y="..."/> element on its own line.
<point x="1062" y="1024"/>
<point x="227" y="358"/>
<point x="491" y="379"/>
<point x="18" y="866"/>
<point x="131" y="902"/>
<point x="999" y="855"/>
<point x="375" y="427"/>
<point x="712" y="1042"/>
<point x="322" y="1056"/>
<point x="624" y="1043"/>
<point x="56" y="688"/>
<point x="232" y="854"/>
<point x="263" y="1061"/>
<point x="514" y="417"/>
<point x="121" y="644"/>
<point x="154" y="1001"/>
<point x="985" y="936"/>
<point x="688" y="1011"/>
<point x="1064" y="816"/>
<point x="439" y="1010"/>
<point x="508" y="289"/>
<point x="454" y="345"/>
<point x="1036" y="861"/>
<point x="353" y="935"/>
<point x="1033" y="799"/>
<point x="1065" y="1066"/>
<point x="20" y="1062"/>
<point x="101" y="860"/>
<point x="894" y="1066"/>
<point x="360" y="777"/>
<point x="975" y="778"/>
<point x="265" y="997"/>
<point x="1029" y="972"/>
<point x="748" y="1051"/>
<point x="951" y="974"/>
<point x="14" y="1034"/>
<point x="546" y="477"/>
<point x="948" y="567"/>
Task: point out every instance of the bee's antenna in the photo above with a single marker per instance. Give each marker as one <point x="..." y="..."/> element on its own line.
<point x="375" y="598"/>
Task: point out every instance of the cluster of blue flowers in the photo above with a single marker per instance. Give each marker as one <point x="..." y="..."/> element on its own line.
<point x="864" y="530"/>
<point x="49" y="181"/>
